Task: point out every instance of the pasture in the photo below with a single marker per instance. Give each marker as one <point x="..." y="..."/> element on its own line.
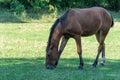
<point x="23" y="44"/>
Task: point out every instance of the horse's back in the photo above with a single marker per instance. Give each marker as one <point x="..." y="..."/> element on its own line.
<point x="87" y="21"/>
<point x="87" y="14"/>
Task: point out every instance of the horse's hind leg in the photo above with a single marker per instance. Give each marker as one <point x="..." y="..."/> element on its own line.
<point x="103" y="57"/>
<point x="100" y="38"/>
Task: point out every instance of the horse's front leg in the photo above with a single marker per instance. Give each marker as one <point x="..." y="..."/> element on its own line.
<point x="63" y="44"/>
<point x="79" y="50"/>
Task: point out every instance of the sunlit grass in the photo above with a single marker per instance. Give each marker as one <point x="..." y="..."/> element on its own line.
<point x="22" y="39"/>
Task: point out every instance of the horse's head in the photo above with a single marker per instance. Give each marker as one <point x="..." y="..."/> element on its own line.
<point x="52" y="57"/>
<point x="52" y="54"/>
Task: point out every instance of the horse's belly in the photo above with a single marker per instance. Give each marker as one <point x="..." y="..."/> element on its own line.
<point x="89" y="32"/>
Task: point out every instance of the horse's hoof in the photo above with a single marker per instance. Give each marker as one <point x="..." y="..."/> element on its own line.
<point x="93" y="66"/>
<point x="80" y="67"/>
<point x="102" y="64"/>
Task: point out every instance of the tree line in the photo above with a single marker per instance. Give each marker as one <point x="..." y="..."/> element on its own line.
<point x="36" y="5"/>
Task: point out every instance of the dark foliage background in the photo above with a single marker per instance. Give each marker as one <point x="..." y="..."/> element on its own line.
<point x="37" y="5"/>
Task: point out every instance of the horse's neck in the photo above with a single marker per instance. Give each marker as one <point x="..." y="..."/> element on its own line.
<point x="56" y="37"/>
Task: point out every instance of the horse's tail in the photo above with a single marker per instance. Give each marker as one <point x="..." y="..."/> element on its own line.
<point x="111" y="18"/>
<point x="112" y="21"/>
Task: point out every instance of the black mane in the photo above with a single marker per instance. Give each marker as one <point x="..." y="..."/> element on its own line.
<point x="61" y="20"/>
<point x="51" y="32"/>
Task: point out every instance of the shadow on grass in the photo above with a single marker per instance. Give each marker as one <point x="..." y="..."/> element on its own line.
<point x="7" y="17"/>
<point x="34" y="69"/>
<point x="44" y="15"/>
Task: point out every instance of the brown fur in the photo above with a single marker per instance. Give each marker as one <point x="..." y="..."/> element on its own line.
<point x="78" y="23"/>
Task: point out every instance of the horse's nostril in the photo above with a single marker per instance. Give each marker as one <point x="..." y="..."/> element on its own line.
<point x="56" y="63"/>
<point x="49" y="55"/>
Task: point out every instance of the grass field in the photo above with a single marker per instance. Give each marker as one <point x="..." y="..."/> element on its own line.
<point x="22" y="52"/>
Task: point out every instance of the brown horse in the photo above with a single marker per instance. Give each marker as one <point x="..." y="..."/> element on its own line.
<point x="76" y="23"/>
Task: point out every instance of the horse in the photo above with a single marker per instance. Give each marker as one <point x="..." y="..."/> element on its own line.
<point x="76" y="23"/>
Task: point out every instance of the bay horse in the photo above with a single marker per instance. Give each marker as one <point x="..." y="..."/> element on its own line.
<point x="76" y="23"/>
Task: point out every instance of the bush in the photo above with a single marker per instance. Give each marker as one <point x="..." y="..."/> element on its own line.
<point x="37" y="5"/>
<point x="63" y="4"/>
<point x="90" y="3"/>
<point x="114" y="4"/>
<point x="17" y="7"/>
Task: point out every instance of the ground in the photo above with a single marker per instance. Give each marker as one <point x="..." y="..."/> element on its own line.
<point x="22" y="52"/>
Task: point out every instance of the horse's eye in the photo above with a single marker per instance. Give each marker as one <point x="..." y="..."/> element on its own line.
<point x="49" y="55"/>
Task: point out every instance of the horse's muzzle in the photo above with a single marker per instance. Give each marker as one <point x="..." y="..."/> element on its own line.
<point x="50" y="66"/>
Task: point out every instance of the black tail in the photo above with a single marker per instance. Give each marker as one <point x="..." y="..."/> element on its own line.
<point x="112" y="21"/>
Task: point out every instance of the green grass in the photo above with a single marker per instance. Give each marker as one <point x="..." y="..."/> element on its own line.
<point x="22" y="52"/>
